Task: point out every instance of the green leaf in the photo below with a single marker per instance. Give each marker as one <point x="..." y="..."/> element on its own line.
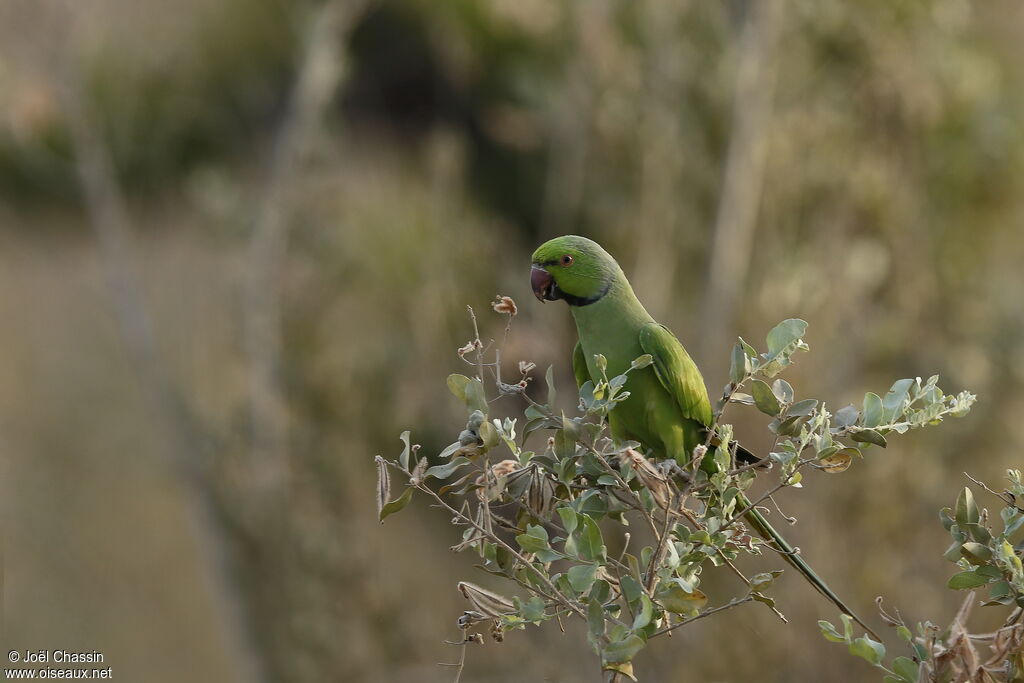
<point x="893" y="401"/>
<point x="631" y="589"/>
<point x="644" y="614"/>
<point x="783" y="391"/>
<point x="869" y="649"/>
<point x="759" y="582"/>
<point x="845" y="416"/>
<point x="571" y="428"/>
<point x="565" y="445"/>
<point x="489" y="435"/>
<point x="590" y="543"/>
<point x="641" y="362"/>
<point x="847" y="627"/>
<point x="765" y="398"/>
<point x="966" y="509"/>
<point x="784" y="334"/>
<point x="549" y="379"/>
<point x="976" y="553"/>
<point x="591" y="503"/>
<point x="805" y="407"/>
<point x="569" y="519"/>
<point x="622" y="650"/>
<point x="595" y="618"/>
<point x="549" y="555"/>
<point x="1012" y="521"/>
<point x="403" y="459"/>
<point x="906" y="668"/>
<point x="450" y="450"/>
<point x="634" y="566"/>
<point x="868" y="436"/>
<point x="1000" y="593"/>
<point x="904" y="633"/>
<point x="990" y="571"/>
<point x="737" y="364"/>
<point x="457" y="385"/>
<point x="830" y="632"/>
<point x="397" y="504"/>
<point x="532" y="610"/>
<point x="476" y="399"/>
<point x="750" y="351"/>
<point x="678" y="600"/>
<point x="444" y="471"/>
<point x="946" y="517"/>
<point x="791" y="425"/>
<point x="601" y="591"/>
<point x="582" y="576"/>
<point x="534" y="540"/>
<point x="741" y="398"/>
<point x="872" y="410"/>
<point x="967" y="580"/>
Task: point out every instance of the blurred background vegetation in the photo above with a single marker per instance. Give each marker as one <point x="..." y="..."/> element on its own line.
<point x="237" y="240"/>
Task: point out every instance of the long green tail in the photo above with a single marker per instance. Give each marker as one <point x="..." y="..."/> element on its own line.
<point x="768" y="533"/>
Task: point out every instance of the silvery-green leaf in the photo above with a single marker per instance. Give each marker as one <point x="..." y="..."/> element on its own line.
<point x="395" y="505"/>
<point x="765" y="398"/>
<point x="872" y="410"/>
<point x="784" y="334"/>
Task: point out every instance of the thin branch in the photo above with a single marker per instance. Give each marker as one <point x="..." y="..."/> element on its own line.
<point x="706" y="613"/>
<point x="557" y="595"/>
<point x="1007" y="497"/>
<point x="461" y="664"/>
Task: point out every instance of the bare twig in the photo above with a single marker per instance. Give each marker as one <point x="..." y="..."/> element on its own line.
<point x="1007" y="497"/>
<point x="736" y="570"/>
<point x="555" y="594"/>
<point x="706" y="613"/>
<point x="461" y="664"/>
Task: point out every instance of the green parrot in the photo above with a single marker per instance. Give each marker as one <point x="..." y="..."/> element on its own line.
<point x="668" y="410"/>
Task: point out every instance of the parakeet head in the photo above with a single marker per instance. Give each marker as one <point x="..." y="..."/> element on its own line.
<point x="572" y="268"/>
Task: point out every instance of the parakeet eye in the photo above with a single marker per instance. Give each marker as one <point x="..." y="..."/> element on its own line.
<point x="567" y="260"/>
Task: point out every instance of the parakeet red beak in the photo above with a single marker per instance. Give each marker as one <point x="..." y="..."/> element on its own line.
<point x="543" y="284"/>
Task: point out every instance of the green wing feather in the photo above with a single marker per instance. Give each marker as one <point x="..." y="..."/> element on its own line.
<point x="579" y="366"/>
<point x="677" y="372"/>
<point x="679" y="375"/>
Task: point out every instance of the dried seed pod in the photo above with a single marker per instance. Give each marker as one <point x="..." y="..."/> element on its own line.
<point x="649" y="475"/>
<point x="491" y="481"/>
<point x="540" y="495"/>
<point x="504" y="304"/>
<point x="484" y="601"/>
<point x="383" y="484"/>
<point x="417" y="472"/>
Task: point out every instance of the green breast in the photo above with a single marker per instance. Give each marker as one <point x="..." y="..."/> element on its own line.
<point x="650" y="415"/>
<point x="611" y="327"/>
